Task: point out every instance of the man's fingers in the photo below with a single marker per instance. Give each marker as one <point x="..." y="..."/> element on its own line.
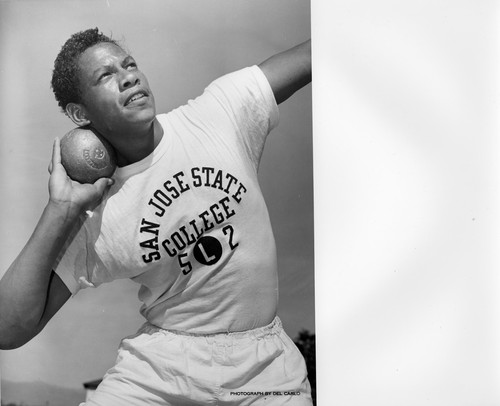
<point x="56" y="154"/>
<point x="103" y="183"/>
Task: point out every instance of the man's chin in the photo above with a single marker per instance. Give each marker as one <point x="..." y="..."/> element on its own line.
<point x="143" y="116"/>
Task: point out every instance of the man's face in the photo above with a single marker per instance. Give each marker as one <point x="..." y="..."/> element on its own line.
<point x="115" y="93"/>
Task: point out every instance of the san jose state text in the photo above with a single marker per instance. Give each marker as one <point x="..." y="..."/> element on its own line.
<point x="207" y="249"/>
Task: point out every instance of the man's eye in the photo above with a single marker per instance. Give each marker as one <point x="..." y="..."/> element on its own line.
<point x="132" y="65"/>
<point x="104" y="75"/>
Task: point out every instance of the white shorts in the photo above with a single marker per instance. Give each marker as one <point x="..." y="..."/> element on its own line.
<point x="162" y="367"/>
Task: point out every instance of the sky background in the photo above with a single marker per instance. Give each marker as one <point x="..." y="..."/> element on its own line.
<point x="181" y="46"/>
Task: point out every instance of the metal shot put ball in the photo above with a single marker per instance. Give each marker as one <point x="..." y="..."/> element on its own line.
<point x="86" y="155"/>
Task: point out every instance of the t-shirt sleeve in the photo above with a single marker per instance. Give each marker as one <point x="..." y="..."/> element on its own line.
<point x="245" y="97"/>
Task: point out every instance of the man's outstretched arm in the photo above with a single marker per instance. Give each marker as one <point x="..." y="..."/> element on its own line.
<point x="288" y="71"/>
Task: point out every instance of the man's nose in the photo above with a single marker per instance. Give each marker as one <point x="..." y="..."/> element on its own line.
<point x="128" y="79"/>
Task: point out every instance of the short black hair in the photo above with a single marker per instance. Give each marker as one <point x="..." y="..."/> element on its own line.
<point x="65" y="81"/>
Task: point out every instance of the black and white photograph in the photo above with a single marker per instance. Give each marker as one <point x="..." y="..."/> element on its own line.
<point x="312" y="217"/>
<point x="157" y="228"/>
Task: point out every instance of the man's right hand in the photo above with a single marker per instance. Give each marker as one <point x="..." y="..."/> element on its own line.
<point x="69" y="194"/>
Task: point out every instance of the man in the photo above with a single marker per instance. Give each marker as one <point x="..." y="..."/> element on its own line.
<point x="183" y="216"/>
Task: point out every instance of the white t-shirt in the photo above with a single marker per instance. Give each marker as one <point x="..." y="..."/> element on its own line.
<point x="189" y="222"/>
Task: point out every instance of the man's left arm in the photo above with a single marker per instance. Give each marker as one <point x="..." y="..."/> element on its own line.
<point x="288" y="71"/>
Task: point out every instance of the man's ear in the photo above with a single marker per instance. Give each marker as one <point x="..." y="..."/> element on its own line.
<point x="76" y="112"/>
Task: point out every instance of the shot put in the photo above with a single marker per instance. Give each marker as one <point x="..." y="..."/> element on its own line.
<point x="86" y="155"/>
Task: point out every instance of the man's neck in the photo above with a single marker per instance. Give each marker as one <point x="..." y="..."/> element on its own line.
<point x="136" y="147"/>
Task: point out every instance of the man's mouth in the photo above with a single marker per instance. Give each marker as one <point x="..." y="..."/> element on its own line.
<point x="136" y="96"/>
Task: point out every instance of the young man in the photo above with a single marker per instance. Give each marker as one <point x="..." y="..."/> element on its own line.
<point x="184" y="217"/>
